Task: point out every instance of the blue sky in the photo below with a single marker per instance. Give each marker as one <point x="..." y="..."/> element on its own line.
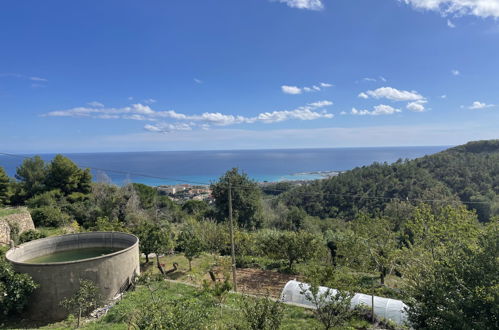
<point x="83" y="76"/>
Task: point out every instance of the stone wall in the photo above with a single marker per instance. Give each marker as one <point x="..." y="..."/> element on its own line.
<point x="22" y="220"/>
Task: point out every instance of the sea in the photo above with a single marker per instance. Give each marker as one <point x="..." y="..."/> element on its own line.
<point x="157" y="168"/>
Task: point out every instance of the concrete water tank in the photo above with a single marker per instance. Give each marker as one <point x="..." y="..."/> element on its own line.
<point x="112" y="272"/>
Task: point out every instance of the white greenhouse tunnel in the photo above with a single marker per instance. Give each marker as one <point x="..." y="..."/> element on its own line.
<point x="391" y="309"/>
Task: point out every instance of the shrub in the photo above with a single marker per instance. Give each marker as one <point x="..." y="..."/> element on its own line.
<point x="262" y="313"/>
<point x="30" y="235"/>
<point x="15" y="289"/>
<point x="49" y="216"/>
<point x="177" y="314"/>
<point x="48" y="198"/>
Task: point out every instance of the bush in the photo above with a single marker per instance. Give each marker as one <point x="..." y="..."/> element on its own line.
<point x="30" y="235"/>
<point x="15" y="289"/>
<point x="176" y="314"/>
<point x="48" y="198"/>
<point x="262" y="313"/>
<point x="49" y="216"/>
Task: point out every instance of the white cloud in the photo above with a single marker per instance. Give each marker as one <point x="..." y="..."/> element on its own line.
<point x="450" y="24"/>
<point x="38" y="79"/>
<point x="301" y="113"/>
<point x="131" y="117"/>
<point x="370" y="79"/>
<point x="298" y="90"/>
<point x="444" y="96"/>
<point x="320" y="104"/>
<point x="392" y="94"/>
<point x="198" y="81"/>
<point x="455" y="72"/>
<point x="480" y="105"/>
<point x="416" y="106"/>
<point x="149" y="101"/>
<point x="304" y="4"/>
<point x="167" y="128"/>
<point x="381" y="109"/>
<point x="182" y="121"/>
<point x="363" y="95"/>
<point x="291" y="89"/>
<point x="480" y="8"/>
<point x="95" y="104"/>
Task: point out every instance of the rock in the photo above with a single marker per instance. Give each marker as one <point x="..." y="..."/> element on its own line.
<point x="22" y="220"/>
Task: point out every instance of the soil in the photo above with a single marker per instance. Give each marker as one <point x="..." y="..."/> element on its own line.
<point x="262" y="282"/>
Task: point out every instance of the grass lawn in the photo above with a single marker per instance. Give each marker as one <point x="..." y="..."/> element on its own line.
<point x="9" y="211"/>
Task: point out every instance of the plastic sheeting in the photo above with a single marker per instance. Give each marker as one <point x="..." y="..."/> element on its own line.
<point x="391" y="309"/>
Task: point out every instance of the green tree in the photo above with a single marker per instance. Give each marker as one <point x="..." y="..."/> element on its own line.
<point x="4" y="187"/>
<point x="148" y="196"/>
<point x="379" y="242"/>
<point x="47" y="198"/>
<point x="433" y="234"/>
<point x="66" y="176"/>
<point x="189" y="243"/>
<point x="32" y="174"/>
<point x="295" y="217"/>
<point x="332" y="306"/>
<point x="154" y="238"/>
<point x="195" y="207"/>
<point x="15" y="289"/>
<point x="246" y="199"/>
<point x="291" y="246"/>
<point x="104" y="224"/>
<point x="85" y="300"/>
<point x="461" y="289"/>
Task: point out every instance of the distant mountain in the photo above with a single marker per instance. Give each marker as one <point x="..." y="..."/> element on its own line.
<point x="464" y="174"/>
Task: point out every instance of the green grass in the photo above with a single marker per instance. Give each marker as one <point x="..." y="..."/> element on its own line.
<point x="9" y="211"/>
<point x="200" y="267"/>
<point x="224" y="317"/>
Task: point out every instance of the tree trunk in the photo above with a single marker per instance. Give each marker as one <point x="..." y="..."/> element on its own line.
<point x="159" y="265"/>
<point x="147" y="257"/>
<point x="79" y="317"/>
<point x="382" y="276"/>
<point x="190" y="267"/>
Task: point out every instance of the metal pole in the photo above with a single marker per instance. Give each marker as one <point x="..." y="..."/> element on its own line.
<point x="233" y="250"/>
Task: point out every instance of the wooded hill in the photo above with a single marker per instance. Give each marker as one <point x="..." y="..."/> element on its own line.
<point x="466" y="174"/>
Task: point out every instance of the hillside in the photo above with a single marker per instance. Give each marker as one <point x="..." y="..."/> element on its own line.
<point x="468" y="174"/>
